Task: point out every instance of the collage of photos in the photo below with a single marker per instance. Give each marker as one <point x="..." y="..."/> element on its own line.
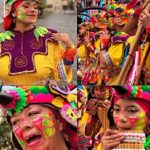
<point x="86" y="83"/>
<point x="113" y="74"/>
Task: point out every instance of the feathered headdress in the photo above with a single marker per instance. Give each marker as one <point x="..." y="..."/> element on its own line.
<point x="141" y="95"/>
<point x="120" y="13"/>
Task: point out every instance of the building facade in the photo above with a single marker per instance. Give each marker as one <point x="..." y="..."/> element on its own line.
<point x="59" y="5"/>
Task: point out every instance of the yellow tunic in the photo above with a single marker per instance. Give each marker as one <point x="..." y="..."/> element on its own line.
<point x="46" y="68"/>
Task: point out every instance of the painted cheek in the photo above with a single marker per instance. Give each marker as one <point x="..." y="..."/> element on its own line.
<point x="116" y="119"/>
<point x="49" y="128"/>
<point x="37" y="122"/>
<point x="27" y="11"/>
<point x="132" y="121"/>
<point x="141" y="122"/>
<point x="46" y="124"/>
<point x="19" y="135"/>
<point x="21" y="14"/>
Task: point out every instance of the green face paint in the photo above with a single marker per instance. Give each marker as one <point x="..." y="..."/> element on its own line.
<point x="48" y="126"/>
<point x="141" y="121"/>
<point x="22" y="143"/>
<point x="21" y="13"/>
<point x="19" y="135"/>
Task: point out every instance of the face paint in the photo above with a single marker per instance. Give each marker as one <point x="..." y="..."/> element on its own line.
<point x="21" y="13"/>
<point x="46" y="124"/>
<point x="140" y="121"/>
<point x="116" y="119"/>
<point x="48" y="127"/>
<point x="19" y="135"/>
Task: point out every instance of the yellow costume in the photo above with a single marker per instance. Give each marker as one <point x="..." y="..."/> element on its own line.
<point x="46" y="65"/>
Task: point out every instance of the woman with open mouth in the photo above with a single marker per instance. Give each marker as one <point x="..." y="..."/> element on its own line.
<point x="40" y="119"/>
<point x="30" y="54"/>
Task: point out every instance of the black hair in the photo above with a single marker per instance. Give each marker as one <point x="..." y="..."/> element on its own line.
<point x="120" y="89"/>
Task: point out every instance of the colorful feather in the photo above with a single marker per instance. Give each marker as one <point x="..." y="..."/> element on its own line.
<point x="6" y="35"/>
<point x="40" y="32"/>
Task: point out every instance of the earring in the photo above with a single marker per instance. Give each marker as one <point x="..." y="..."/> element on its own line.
<point x="14" y="15"/>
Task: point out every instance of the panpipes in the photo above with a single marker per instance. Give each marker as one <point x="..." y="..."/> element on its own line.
<point x="102" y="115"/>
<point x="134" y="140"/>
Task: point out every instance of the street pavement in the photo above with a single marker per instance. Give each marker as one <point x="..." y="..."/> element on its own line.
<point x="63" y="22"/>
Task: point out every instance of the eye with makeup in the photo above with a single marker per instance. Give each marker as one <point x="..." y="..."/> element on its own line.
<point x="34" y="113"/>
<point x="116" y="110"/>
<point x="132" y="111"/>
<point x="25" y="6"/>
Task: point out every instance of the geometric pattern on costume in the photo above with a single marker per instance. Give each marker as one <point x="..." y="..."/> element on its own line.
<point x="22" y="48"/>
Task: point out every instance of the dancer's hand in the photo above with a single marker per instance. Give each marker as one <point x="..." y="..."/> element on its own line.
<point x="145" y="18"/>
<point x="63" y="37"/>
<point x="93" y="106"/>
<point x="110" y="139"/>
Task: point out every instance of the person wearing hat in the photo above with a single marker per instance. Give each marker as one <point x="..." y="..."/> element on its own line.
<point x="32" y="54"/>
<point x="41" y="117"/>
<point x="112" y="59"/>
<point x="91" y="123"/>
<point x="129" y="111"/>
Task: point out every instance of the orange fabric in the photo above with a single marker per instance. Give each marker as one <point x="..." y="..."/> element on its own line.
<point x="69" y="54"/>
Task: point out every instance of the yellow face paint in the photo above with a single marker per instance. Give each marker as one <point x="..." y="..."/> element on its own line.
<point x="48" y="132"/>
<point x="21" y="13"/>
<point x="141" y="121"/>
<point x="46" y="124"/>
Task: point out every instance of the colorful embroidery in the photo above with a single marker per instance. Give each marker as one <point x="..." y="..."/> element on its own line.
<point x="9" y="45"/>
<point x="34" y="44"/>
<point x="22" y="48"/>
<point x="108" y="60"/>
<point x="61" y="71"/>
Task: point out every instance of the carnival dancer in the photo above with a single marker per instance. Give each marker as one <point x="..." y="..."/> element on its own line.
<point x="32" y="55"/>
<point x="112" y="58"/>
<point x="41" y="117"/>
<point x="89" y="48"/>
<point x="92" y="121"/>
<point x="129" y="111"/>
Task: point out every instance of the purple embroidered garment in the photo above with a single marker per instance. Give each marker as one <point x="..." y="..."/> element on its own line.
<point x="119" y="39"/>
<point x="22" y="48"/>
